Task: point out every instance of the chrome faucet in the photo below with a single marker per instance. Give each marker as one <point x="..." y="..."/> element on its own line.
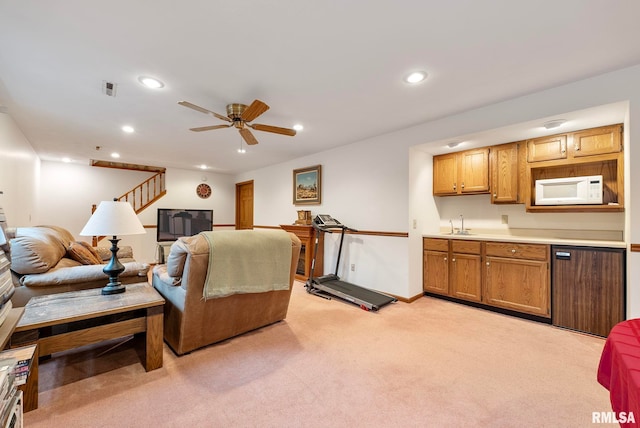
<point x="451" y="223"/>
<point x="461" y="224"/>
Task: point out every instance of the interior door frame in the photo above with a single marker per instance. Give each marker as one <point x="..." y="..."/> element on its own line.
<point x="238" y="204"/>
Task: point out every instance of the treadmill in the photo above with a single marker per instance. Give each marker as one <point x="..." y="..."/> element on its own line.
<point x="331" y="285"/>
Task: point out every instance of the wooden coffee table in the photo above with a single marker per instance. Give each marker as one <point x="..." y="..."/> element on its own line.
<point x="63" y="321"/>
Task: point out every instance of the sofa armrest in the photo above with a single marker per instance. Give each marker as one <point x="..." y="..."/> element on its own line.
<point x="161" y="273"/>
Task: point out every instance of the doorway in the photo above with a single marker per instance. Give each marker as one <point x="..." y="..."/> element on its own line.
<point x="244" y="205"/>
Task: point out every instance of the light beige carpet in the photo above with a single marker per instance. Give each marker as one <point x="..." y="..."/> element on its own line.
<point x="430" y="363"/>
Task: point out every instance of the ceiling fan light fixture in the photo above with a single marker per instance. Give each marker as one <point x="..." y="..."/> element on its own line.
<point x="415" y="77"/>
<point x="150" y="82"/>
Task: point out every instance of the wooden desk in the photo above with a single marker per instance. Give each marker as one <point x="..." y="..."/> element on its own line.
<point x="64" y="321"/>
<point x="307" y="235"/>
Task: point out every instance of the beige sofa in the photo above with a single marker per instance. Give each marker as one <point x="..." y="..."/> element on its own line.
<point x="48" y="260"/>
<point x="192" y="321"/>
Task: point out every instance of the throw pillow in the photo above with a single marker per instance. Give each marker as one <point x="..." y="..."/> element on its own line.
<point x="91" y="249"/>
<point x="177" y="258"/>
<point x="80" y="253"/>
<point x="34" y="255"/>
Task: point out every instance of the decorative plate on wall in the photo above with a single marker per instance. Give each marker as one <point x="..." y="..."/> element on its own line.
<point x="203" y="190"/>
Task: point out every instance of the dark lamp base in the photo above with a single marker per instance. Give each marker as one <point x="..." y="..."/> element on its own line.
<point x="113" y="289"/>
<point x="113" y="270"/>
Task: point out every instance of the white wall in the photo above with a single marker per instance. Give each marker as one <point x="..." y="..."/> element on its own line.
<point x="364" y="186"/>
<point x="619" y="86"/>
<point x="19" y="173"/>
<point x="69" y="190"/>
<point x="383" y="184"/>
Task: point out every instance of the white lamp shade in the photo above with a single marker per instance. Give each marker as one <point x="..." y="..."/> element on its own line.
<point x="113" y="218"/>
<point x="3" y="239"/>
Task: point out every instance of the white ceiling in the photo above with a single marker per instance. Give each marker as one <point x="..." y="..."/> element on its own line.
<point x="336" y="66"/>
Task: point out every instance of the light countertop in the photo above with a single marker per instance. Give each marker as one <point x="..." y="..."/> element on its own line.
<point x="530" y="239"/>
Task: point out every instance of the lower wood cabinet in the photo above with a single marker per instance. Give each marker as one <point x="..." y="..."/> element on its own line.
<point x="517" y="277"/>
<point x="466" y="270"/>
<point x="436" y="266"/>
<point x="499" y="274"/>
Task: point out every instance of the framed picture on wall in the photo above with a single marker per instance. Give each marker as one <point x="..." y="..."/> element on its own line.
<point x="307" y="185"/>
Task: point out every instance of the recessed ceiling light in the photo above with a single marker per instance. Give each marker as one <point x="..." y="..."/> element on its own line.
<point x="115" y="155"/>
<point x="128" y="129"/>
<point x="203" y="166"/>
<point x="66" y="160"/>
<point x="298" y="127"/>
<point x="554" y="123"/>
<point x="416" y="77"/>
<point x="150" y="82"/>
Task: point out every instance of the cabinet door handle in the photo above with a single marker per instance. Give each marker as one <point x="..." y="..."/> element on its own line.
<point x="454" y="186"/>
<point x="576" y="147"/>
<point x="488" y="263"/>
<point x="453" y="259"/>
<point x="445" y="259"/>
<point x="462" y="186"/>
<point x="495" y="195"/>
<point x="513" y="251"/>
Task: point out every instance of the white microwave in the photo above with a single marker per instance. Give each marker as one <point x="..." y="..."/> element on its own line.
<point x="569" y="190"/>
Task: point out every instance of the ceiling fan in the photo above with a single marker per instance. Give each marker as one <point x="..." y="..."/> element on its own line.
<point x="239" y="115"/>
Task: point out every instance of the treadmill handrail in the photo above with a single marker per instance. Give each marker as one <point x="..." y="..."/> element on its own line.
<point x="332" y="226"/>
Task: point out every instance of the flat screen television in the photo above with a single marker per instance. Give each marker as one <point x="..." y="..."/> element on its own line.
<point x="174" y="223"/>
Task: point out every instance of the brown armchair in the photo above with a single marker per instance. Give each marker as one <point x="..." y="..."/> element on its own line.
<point x="190" y="320"/>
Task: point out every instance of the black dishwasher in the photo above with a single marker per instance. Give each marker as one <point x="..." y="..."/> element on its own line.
<point x="587" y="288"/>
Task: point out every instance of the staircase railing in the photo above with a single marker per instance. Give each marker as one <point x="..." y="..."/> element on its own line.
<point x="140" y="197"/>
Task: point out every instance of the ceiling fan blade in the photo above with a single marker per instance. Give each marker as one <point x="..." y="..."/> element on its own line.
<point x="248" y="137"/>
<point x="209" y="128"/>
<point x="274" y="129"/>
<point x="203" y="110"/>
<point x="256" y="108"/>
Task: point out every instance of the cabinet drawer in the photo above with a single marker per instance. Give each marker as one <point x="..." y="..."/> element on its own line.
<point x="435" y="244"/>
<point x="517" y="251"/>
<point x="465" y="247"/>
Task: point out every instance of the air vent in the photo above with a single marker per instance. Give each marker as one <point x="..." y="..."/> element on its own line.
<point x="109" y="88"/>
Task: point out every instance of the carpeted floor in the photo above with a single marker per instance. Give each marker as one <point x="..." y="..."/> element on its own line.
<point x="430" y="363"/>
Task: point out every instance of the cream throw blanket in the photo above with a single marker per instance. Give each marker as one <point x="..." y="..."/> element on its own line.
<point x="247" y="261"/>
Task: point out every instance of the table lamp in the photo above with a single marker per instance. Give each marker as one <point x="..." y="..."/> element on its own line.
<point x="113" y="218"/>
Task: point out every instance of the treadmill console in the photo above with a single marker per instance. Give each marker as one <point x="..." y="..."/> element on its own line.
<point x="326" y="220"/>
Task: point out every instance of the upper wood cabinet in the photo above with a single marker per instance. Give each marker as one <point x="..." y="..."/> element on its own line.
<point x="547" y="148"/>
<point x="596" y="151"/>
<point x="461" y="173"/>
<point x="596" y="141"/>
<point x="508" y="167"/>
<point x="590" y="142"/>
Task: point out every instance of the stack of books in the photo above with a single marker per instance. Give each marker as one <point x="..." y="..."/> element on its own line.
<point x="6" y="286"/>
<point x="11" y="410"/>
